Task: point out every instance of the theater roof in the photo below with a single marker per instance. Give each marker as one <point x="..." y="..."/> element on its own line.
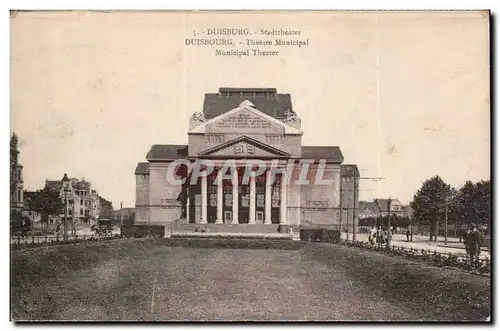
<point x="142" y="168"/>
<point x="166" y="152"/>
<point x="349" y="170"/>
<point x="266" y="100"/>
<point x="329" y="153"/>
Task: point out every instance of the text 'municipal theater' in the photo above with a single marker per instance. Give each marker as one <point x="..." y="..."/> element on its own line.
<point x="244" y="164"/>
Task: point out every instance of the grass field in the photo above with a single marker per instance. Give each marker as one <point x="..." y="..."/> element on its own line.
<point x="148" y="280"/>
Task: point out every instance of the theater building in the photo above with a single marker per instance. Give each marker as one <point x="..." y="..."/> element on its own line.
<point x="242" y="127"/>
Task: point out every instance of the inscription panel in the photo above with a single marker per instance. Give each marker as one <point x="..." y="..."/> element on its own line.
<point x="170" y="203"/>
<point x="244" y="121"/>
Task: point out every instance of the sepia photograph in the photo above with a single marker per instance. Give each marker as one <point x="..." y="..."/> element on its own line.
<point x="250" y="166"/>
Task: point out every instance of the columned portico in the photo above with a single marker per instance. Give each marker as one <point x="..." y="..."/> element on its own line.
<point x="264" y="201"/>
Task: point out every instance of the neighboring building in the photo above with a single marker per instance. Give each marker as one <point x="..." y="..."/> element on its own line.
<point x="368" y="209"/>
<point x="16" y="177"/>
<point x="106" y="209"/>
<point x="27" y="212"/>
<point x="383" y="205"/>
<point x="241" y="124"/>
<point x="83" y="203"/>
<point x="349" y="191"/>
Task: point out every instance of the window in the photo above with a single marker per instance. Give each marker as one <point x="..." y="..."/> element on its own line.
<point x="51" y="221"/>
<point x="81" y="201"/>
<point x="70" y="212"/>
<point x="81" y="212"/>
<point x="228" y="215"/>
<point x="70" y="201"/>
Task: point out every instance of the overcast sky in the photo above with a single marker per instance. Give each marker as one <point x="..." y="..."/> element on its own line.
<point x="404" y="95"/>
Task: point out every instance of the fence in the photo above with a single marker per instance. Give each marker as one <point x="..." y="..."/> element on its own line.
<point x="19" y="242"/>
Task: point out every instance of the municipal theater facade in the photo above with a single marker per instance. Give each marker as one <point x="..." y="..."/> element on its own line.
<point x="244" y="164"/>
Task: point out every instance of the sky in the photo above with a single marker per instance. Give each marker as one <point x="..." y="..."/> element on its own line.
<point x="404" y="95"/>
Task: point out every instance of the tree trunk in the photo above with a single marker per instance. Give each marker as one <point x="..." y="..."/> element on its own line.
<point x="433" y="231"/>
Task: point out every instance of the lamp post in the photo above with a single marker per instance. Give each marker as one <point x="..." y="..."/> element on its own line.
<point x="446" y="220"/>
<point x="66" y="183"/>
<point x="389" y="222"/>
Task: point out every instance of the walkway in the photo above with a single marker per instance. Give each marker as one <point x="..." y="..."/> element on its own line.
<point x="422" y="242"/>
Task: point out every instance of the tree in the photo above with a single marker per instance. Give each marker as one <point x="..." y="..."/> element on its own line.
<point x="483" y="203"/>
<point x="473" y="203"/>
<point x="16" y="222"/>
<point x="429" y="204"/>
<point x="46" y="202"/>
<point x="106" y="208"/>
<point x="465" y="203"/>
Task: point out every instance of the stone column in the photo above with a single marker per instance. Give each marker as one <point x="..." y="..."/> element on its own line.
<point x="235" y="196"/>
<point x="337" y="186"/>
<point x="283" y="197"/>
<point x="219" y="199"/>
<point x="203" y="200"/>
<point x="267" y="216"/>
<point x="251" y="219"/>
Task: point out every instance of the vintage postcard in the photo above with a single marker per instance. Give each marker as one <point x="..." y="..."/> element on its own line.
<point x="250" y="166"/>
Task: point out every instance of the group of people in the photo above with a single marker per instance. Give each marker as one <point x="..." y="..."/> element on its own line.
<point x="379" y="236"/>
<point x="473" y="239"/>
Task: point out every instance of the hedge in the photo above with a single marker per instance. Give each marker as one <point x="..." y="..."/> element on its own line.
<point x="141" y="231"/>
<point x="320" y="234"/>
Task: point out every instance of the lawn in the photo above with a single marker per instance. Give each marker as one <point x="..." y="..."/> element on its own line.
<point x="158" y="280"/>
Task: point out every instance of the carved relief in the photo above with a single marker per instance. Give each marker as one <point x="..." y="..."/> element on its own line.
<point x="196" y="119"/>
<point x="215" y="138"/>
<point x="213" y="200"/>
<point x="275" y="197"/>
<point x="292" y="119"/>
<point x="261" y="198"/>
<point x="275" y="139"/>
<point x="243" y="149"/>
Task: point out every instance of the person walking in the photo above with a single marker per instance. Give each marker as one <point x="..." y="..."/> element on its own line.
<point x="408" y="233"/>
<point x="380" y="237"/>
<point x="474" y="240"/>
<point x="372" y="235"/>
